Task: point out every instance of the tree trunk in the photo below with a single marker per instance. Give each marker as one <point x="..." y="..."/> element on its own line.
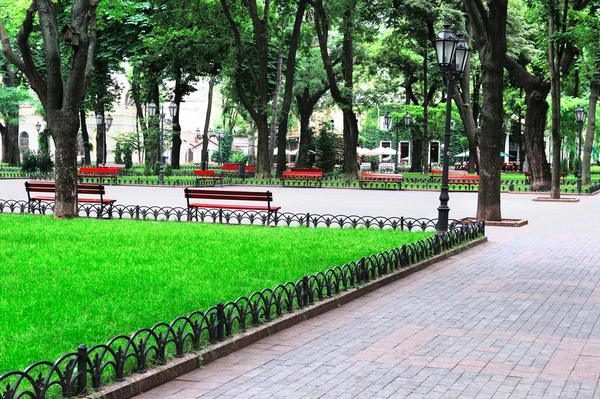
<point x="10" y="131"/>
<point x="417" y="161"/>
<point x="263" y="169"/>
<point x="10" y="144"/>
<point x="63" y="127"/>
<point x="87" y="160"/>
<point x="350" y="144"/>
<point x="423" y="156"/>
<point x="489" y="27"/>
<point x="273" y="124"/>
<point x="589" y="134"/>
<point x="554" y="60"/>
<point x="153" y="136"/>
<point x="176" y="140"/>
<point x="205" y="138"/>
<point x="302" y="160"/>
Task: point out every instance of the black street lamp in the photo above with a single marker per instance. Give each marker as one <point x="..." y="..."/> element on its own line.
<point x="452" y="57"/>
<point x="106" y="123"/>
<point x="219" y="136"/>
<point x="152" y="111"/>
<point x="580" y="115"/>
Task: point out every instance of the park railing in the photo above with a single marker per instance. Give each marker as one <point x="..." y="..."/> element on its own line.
<point x="89" y="367"/>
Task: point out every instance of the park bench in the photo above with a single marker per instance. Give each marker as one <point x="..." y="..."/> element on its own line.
<point x="303" y="174"/>
<point x="386" y="166"/>
<point x="469" y="181"/>
<point x="365" y="166"/>
<point x="49" y="188"/>
<point x="98" y="173"/>
<point x="369" y="178"/>
<point x="528" y="177"/>
<point x="438" y="172"/>
<point x="234" y="169"/>
<point x="228" y="196"/>
<point x="207" y="176"/>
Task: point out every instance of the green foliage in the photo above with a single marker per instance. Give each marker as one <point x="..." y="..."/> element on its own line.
<point x="237" y="157"/>
<point x="374" y="160"/>
<point x="141" y="270"/>
<point x="326" y="150"/>
<point x="128" y="155"/>
<point x="168" y="170"/>
<point x="147" y="169"/>
<point x="118" y="153"/>
<point x="37" y="162"/>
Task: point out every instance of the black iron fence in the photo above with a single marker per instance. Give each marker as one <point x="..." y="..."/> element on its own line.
<point x="90" y="367"/>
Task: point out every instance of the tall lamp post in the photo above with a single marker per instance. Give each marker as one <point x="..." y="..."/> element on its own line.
<point x="452" y="57"/>
<point x="106" y="123"/>
<point x="152" y="111"/>
<point x="580" y="115"/>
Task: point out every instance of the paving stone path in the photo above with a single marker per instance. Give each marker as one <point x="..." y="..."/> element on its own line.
<point x="517" y="317"/>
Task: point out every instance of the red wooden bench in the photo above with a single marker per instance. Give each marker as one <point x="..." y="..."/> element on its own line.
<point x="82" y="188"/>
<point x="234" y="168"/>
<point x="366" y="178"/>
<point x="466" y="180"/>
<point x="207" y="175"/>
<point x="99" y="173"/>
<point x="303" y="174"/>
<point x="228" y="196"/>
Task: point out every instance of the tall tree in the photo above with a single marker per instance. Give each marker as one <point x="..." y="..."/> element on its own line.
<point x="489" y="27"/>
<point x="61" y="100"/>
<point x="342" y="96"/>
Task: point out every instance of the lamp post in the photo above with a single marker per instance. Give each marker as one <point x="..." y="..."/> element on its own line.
<point x="218" y="135"/>
<point x="152" y="111"/>
<point x="452" y="56"/>
<point x="580" y="115"/>
<point x="106" y="123"/>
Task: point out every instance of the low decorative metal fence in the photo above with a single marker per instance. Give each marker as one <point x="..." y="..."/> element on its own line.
<point x="90" y="367"/>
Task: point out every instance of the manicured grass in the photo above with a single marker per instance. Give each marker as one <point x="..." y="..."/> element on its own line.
<point x="68" y="282"/>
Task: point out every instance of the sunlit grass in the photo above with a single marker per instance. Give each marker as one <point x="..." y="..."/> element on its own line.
<point x="68" y="282"/>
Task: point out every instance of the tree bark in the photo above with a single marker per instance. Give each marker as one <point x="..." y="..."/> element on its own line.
<point x="536" y="91"/>
<point x="176" y="140"/>
<point x="343" y="99"/>
<point x="273" y="124"/>
<point x="420" y="159"/>
<point x="87" y="160"/>
<point x="489" y="26"/>
<point x="289" y="85"/>
<point x="211" y="89"/>
<point x="99" y="134"/>
<point x="554" y="61"/>
<point x="306" y="105"/>
<point x="10" y="131"/>
<point x="589" y="134"/>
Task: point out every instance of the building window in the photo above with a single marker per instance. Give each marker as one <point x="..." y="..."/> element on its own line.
<point x="24" y="142"/>
<point x="79" y="145"/>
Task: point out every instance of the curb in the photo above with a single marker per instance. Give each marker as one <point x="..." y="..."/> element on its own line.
<point x="143" y="382"/>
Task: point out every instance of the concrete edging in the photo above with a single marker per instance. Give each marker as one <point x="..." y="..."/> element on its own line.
<point x="143" y="382"/>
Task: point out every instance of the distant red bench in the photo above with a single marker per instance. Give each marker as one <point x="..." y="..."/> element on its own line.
<point x="234" y="168"/>
<point x="366" y="178"/>
<point x="208" y="175"/>
<point x="99" y="173"/>
<point x="82" y="188"/>
<point x="466" y="180"/>
<point x="219" y="195"/>
<point x="303" y="174"/>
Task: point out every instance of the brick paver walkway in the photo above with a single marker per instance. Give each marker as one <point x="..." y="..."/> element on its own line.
<point x="517" y="317"/>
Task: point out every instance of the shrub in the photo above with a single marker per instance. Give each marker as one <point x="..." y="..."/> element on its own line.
<point x="237" y="157"/>
<point x="37" y="162"/>
<point x="168" y="170"/>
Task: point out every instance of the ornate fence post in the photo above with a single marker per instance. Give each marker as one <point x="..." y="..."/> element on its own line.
<point x="305" y="290"/>
<point x="220" y="321"/>
<point x="82" y="360"/>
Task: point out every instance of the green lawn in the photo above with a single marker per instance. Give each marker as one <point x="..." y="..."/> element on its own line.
<point x="65" y="283"/>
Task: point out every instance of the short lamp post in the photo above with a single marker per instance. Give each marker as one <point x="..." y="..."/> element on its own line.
<point x="387" y="120"/>
<point x="105" y="123"/>
<point x="152" y="111"/>
<point x="580" y="114"/>
<point x="452" y="56"/>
